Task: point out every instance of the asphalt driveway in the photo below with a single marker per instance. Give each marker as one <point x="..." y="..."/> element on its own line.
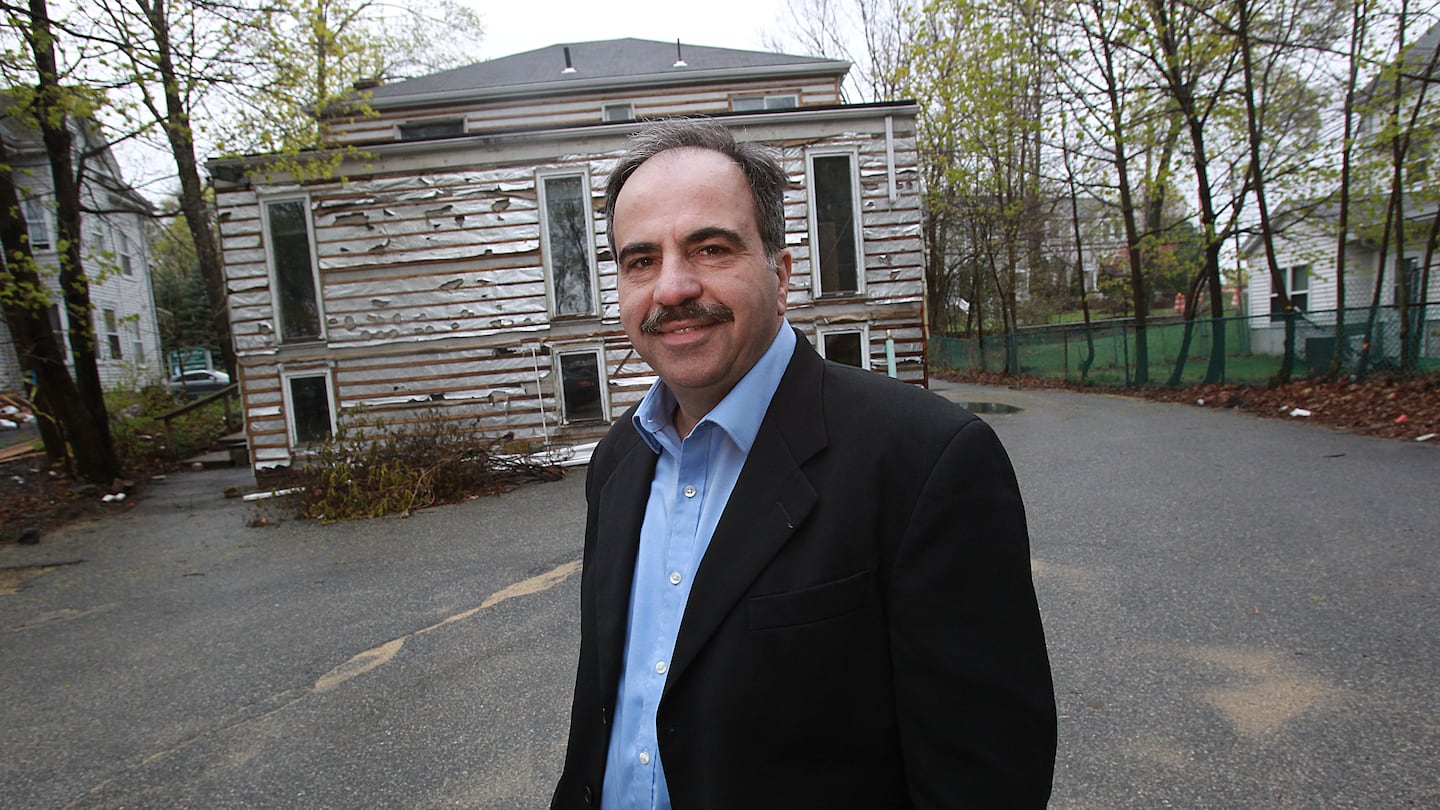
<point x="1240" y="612"/>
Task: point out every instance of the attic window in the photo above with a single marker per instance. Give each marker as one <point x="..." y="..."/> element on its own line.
<point x="751" y="103"/>
<point x="623" y="111"/>
<point x="424" y="130"/>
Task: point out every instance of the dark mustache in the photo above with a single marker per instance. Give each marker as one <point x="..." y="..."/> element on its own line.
<point x="688" y="311"/>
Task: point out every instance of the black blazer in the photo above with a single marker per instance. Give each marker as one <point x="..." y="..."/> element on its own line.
<point x="862" y="631"/>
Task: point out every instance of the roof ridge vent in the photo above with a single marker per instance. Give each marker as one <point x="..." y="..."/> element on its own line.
<point x="679" y="59"/>
<point x="569" y="67"/>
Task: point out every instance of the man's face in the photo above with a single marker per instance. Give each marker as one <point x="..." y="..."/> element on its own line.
<point x="697" y="297"/>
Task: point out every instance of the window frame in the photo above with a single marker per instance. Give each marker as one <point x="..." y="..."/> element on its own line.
<point x="402" y="129"/>
<point x="813" y="223"/>
<point x="287" y="377"/>
<point x="37" y="215"/>
<point x="597" y="352"/>
<point x="547" y="254"/>
<point x="768" y="101"/>
<point x="267" y="238"/>
<point x="607" y="108"/>
<point x="111" y="322"/>
<point x="863" y="330"/>
<point x="1290" y="274"/>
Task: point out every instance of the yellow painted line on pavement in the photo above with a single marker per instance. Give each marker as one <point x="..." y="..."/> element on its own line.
<point x="380" y="655"/>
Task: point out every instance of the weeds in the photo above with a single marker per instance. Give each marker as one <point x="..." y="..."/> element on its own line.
<point x="371" y="468"/>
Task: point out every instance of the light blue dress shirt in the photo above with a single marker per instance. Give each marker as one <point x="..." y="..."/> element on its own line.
<point x="693" y="480"/>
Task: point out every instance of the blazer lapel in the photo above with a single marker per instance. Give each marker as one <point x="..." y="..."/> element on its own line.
<point x="617" y="543"/>
<point x="771" y="499"/>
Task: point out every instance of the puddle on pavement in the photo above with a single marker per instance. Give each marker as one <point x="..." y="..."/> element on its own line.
<point x="988" y="407"/>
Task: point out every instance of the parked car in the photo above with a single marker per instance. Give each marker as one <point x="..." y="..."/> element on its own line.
<point x="199" y="382"/>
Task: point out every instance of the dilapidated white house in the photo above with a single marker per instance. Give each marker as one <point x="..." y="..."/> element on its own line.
<point x="456" y="267"/>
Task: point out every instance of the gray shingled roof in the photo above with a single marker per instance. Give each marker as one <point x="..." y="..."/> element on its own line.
<point x="621" y="61"/>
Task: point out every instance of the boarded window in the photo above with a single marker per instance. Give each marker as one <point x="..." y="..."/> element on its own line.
<point x="580" y="388"/>
<point x="845" y="347"/>
<point x="310" y="412"/>
<point x="288" y="224"/>
<point x="835" y="251"/>
<point x="569" y="247"/>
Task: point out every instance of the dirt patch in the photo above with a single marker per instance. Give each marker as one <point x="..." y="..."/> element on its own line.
<point x="12" y="578"/>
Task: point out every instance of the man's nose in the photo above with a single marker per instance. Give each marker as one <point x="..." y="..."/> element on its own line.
<point x="678" y="282"/>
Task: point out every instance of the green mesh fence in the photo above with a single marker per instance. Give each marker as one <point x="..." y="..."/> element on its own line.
<point x="1246" y="349"/>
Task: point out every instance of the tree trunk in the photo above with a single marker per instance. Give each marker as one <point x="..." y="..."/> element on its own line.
<point x="95" y="460"/>
<point x="1257" y="180"/>
<point x="192" y="192"/>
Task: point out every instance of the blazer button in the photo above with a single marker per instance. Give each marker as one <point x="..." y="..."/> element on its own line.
<point x="589" y="795"/>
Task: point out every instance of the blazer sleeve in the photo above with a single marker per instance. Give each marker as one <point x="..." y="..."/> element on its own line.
<point x="974" y="699"/>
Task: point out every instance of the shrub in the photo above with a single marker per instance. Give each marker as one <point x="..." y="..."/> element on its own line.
<point x="371" y="468"/>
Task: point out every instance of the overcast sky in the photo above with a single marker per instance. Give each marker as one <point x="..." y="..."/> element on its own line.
<point x="513" y="26"/>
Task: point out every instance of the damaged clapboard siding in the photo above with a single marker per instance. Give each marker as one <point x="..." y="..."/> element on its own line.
<point x="435" y="302"/>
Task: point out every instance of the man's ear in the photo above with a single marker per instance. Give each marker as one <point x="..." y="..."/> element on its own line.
<point x="783" y="268"/>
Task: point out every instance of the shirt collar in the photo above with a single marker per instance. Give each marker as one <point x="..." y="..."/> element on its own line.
<point x="742" y="410"/>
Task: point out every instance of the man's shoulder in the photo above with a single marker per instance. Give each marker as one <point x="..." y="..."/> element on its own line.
<point x="857" y="394"/>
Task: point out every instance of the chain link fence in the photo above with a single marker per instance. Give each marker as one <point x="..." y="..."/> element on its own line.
<point x="1245" y="349"/>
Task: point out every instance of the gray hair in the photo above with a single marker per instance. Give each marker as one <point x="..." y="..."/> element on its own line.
<point x="766" y="179"/>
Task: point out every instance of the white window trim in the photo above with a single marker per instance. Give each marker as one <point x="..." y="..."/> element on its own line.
<point x="602" y="380"/>
<point x="41" y="211"/>
<point x="301" y="373"/>
<point x="546" y="253"/>
<point x="276" y="322"/>
<point x="858" y="233"/>
<point x="864" y="331"/>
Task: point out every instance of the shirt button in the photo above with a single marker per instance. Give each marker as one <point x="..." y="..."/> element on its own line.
<point x="660" y="668"/>
<point x="644" y="757"/>
<point x="689" y="491"/>
<point x="675" y="577"/>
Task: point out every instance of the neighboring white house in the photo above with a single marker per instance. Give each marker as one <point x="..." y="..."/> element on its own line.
<point x="115" y="255"/>
<point x="1305" y="251"/>
<point x="458" y="268"/>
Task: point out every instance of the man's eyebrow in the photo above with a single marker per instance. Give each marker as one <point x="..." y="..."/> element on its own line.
<point x="714" y="232"/>
<point x="635" y="248"/>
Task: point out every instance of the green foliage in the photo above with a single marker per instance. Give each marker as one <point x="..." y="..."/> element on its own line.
<point x="142" y="441"/>
<point x="185" y="318"/>
<point x="372" y="468"/>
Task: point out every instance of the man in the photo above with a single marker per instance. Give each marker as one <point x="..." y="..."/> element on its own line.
<point x="805" y="585"/>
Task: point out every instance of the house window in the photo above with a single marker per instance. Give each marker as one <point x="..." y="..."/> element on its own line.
<point x="292" y="265"/>
<point x="37" y="223"/>
<point x="846" y="346"/>
<point x="622" y="111"/>
<point x="1297" y="279"/>
<point x="568" y="243"/>
<point x="309" y="412"/>
<point x="582" y="388"/>
<point x="834" y="224"/>
<point x="1412" y="277"/>
<point x="751" y="103"/>
<point x="112" y="334"/>
<point x="137" y="345"/>
<point x="127" y="265"/>
<point x="425" y="130"/>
